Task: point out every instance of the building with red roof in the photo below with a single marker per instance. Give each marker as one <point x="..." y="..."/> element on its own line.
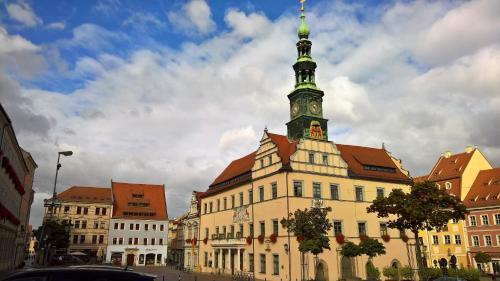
<point x="454" y="173"/>
<point x="240" y="211"/>
<point x="483" y="223"/>
<point x="87" y="211"/>
<point x="138" y="226"/>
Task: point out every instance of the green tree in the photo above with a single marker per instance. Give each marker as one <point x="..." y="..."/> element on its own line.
<point x="482" y="258"/>
<point x="424" y="207"/>
<point x="371" y="248"/>
<point x="311" y="226"/>
<point x="57" y="234"/>
<point x="350" y="250"/>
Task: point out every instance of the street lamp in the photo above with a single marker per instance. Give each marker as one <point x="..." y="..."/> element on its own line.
<point x="65" y="153"/>
<point x="52" y="203"/>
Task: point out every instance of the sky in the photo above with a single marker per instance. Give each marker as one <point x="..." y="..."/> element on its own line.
<point x="169" y="92"/>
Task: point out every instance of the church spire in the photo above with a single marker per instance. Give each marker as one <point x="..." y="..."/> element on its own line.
<point x="306" y="113"/>
<point x="304" y="66"/>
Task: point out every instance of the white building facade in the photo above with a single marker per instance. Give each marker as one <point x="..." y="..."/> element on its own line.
<point x="138" y="230"/>
<point x="137" y="242"/>
<point x="190" y="229"/>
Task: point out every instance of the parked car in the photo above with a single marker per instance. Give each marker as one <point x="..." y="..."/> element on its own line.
<point x="65" y="259"/>
<point x="79" y="273"/>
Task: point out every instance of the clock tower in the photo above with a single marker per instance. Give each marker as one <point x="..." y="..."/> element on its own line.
<point x="306" y="110"/>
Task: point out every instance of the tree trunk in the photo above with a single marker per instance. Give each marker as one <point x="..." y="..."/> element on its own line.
<point x="418" y="253"/>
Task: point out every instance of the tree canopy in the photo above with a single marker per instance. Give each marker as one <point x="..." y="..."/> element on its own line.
<point x="58" y="234"/>
<point x="372" y="247"/>
<point x="425" y="207"/>
<point x="482" y="257"/>
<point x="312" y="225"/>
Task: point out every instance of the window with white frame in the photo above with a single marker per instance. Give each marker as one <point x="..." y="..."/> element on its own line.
<point x="359" y="193"/>
<point x="497" y="218"/>
<point x="458" y="239"/>
<point x="475" y="241"/>
<point x="498" y="239"/>
<point x="435" y="240"/>
<point x="316" y="190"/>
<point x="454" y="220"/>
<point x="484" y="220"/>
<point x="448" y="185"/>
<point x="334" y="191"/>
<point x="472" y="220"/>
<point x="380" y="192"/>
<point x="447" y="239"/>
<point x="487" y="240"/>
<point x="337" y="227"/>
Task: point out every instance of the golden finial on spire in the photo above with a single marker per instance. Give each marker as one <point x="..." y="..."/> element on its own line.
<point x="302" y="5"/>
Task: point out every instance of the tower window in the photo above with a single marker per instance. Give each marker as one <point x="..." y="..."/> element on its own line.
<point x="311" y="157"/>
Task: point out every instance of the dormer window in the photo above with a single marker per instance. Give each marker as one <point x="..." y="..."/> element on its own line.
<point x="448" y="185"/>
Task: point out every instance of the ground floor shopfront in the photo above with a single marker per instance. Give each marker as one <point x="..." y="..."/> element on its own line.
<point x="280" y="261"/>
<point x="7" y="247"/>
<point x="136" y="256"/>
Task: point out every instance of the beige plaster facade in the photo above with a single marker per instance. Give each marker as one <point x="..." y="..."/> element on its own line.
<point x="89" y="221"/>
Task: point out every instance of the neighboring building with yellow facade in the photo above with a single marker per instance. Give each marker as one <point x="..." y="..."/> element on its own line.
<point x="456" y="174"/>
<point x="240" y="232"/>
<point x="88" y="209"/>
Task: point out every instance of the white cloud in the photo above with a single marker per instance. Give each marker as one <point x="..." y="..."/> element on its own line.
<point x="179" y="116"/>
<point x="461" y="31"/>
<point x="194" y="17"/>
<point x="19" y="55"/>
<point x="246" y="25"/>
<point x="92" y="37"/>
<point x="232" y="139"/>
<point x="107" y="7"/>
<point x="143" y="21"/>
<point x="56" y="25"/>
<point x="23" y="13"/>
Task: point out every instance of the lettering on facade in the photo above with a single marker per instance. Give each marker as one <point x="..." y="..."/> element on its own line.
<point x="241" y="215"/>
<point x="150" y="250"/>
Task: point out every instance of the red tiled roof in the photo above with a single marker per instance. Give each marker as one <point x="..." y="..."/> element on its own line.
<point x="358" y="157"/>
<point x="485" y="190"/>
<point x="153" y="195"/>
<point x="451" y="167"/>
<point x="236" y="168"/>
<point x="285" y="147"/>
<point x="244" y="165"/>
<point x="87" y="194"/>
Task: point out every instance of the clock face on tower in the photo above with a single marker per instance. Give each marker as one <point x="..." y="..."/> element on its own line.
<point x="295" y="109"/>
<point x="314" y="107"/>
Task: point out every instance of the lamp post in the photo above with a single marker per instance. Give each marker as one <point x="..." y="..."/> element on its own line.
<point x="52" y="203"/>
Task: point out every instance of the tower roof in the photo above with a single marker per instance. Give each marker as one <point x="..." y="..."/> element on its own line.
<point x="303" y="30"/>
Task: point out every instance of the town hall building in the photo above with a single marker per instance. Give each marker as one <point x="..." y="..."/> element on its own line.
<point x="240" y="230"/>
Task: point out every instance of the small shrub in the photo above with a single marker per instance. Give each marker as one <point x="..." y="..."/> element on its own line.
<point x="372" y="272"/>
<point x="464" y="273"/>
<point x="406" y="272"/>
<point x="430" y="273"/>
<point x="391" y="273"/>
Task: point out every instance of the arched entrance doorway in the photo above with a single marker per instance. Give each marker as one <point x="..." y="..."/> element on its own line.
<point x="150" y="259"/>
<point x="347" y="267"/>
<point x="321" y="271"/>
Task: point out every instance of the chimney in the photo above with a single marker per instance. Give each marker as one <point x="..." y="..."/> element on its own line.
<point x="469" y="149"/>
<point x="447" y="154"/>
